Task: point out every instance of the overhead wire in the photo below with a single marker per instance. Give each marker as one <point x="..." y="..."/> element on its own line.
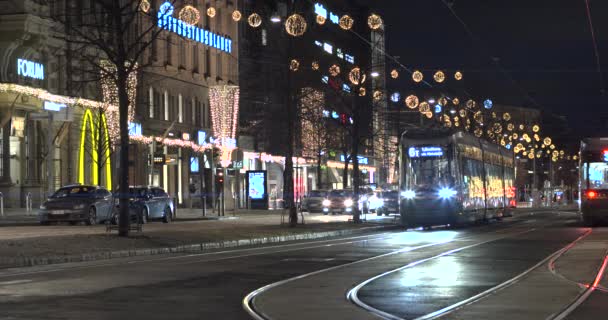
<point x="595" y="47"/>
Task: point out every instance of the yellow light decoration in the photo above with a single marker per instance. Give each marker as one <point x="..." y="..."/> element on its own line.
<point x="525" y="153"/>
<point x="144" y="6"/>
<point x="536" y="137"/>
<point x="424" y="107"/>
<point x="97" y="144"/>
<point x="552" y="146"/>
<point x="478" y="132"/>
<point x="455" y="101"/>
<point x="190" y="15"/>
<point x="295" y="25"/>
<point x="224" y="103"/>
<point x="561" y="152"/>
<point x="510" y="127"/>
<point x="321" y="20"/>
<point x="471" y="104"/>
<point x="346" y="22"/>
<point x="374" y="21"/>
<point x="377" y="95"/>
<point x="443" y="101"/>
<point x="554" y="159"/>
<point x="417" y="76"/>
<point x="411" y="101"/>
<point x="462" y="113"/>
<point x="521" y="127"/>
<point x="254" y="20"/>
<point x="494" y="116"/>
<point x="362" y="92"/>
<point x="448" y="123"/>
<point x="535" y="128"/>
<point x="515" y="136"/>
<point x="543" y="146"/>
<point x="294" y="65"/>
<point x="439" y="76"/>
<point x="520" y="146"/>
<point x="548" y="151"/>
<point x="497" y="128"/>
<point x="530" y="155"/>
<point x="458" y="75"/>
<point x="574" y="157"/>
<point x="503" y="142"/>
<point x="334" y="70"/>
<point x="211" y="12"/>
<point x="456" y="124"/>
<point x="394" y="74"/>
<point x="467" y="127"/>
<point x="506" y="116"/>
<point x="356" y="77"/>
<point x="428" y="114"/>
<point x="237" y="15"/>
<point x="547" y="141"/>
<point x="478" y="117"/>
<point x="315" y="65"/>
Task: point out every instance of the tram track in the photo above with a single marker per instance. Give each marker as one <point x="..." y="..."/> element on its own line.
<point x="248" y="302"/>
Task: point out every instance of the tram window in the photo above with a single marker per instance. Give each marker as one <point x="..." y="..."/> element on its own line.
<point x="598" y="175"/>
<point x="430" y="172"/>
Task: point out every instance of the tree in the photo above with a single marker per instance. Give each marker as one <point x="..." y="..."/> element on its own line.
<point x="118" y="31"/>
<point x="314" y="130"/>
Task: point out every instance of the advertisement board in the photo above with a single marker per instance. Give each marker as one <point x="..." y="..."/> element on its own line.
<point x="256" y="189"/>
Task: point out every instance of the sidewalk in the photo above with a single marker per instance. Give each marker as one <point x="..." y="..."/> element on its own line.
<point x="37" y="245"/>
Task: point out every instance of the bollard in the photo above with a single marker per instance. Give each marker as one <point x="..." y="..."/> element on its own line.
<point x="28" y="202"/>
<point x="1" y="204"/>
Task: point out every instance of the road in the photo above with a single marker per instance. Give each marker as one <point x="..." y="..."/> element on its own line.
<point x="401" y="275"/>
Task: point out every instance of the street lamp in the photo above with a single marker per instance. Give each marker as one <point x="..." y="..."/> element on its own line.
<point x="275" y="18"/>
<point x="375" y="74"/>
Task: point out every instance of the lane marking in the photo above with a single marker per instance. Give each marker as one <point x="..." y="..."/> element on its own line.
<point x="8" y="283"/>
<point x="248" y="300"/>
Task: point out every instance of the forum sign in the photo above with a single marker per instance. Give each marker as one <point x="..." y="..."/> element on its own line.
<point x="208" y="38"/>
<point x="30" y="69"/>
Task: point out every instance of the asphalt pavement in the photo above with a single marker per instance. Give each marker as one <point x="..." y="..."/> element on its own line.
<point x="458" y="264"/>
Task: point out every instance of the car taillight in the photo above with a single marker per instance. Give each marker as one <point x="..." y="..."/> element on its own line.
<point x="591" y="194"/>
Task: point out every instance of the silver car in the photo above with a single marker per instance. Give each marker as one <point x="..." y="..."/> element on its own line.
<point x="77" y="203"/>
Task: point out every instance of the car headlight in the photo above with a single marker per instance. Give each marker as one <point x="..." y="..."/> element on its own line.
<point x="326" y="203"/>
<point x="408" y="194"/>
<point x="43" y="206"/>
<point x="446" y="193"/>
<point x="79" y="206"/>
<point x="364" y="198"/>
<point x="348" y="202"/>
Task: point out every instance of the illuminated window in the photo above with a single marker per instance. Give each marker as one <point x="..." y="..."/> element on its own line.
<point x="346" y="88"/>
<point x="339" y="53"/>
<point x="349" y="58"/>
<point x="328" y="48"/>
<point x="318" y="43"/>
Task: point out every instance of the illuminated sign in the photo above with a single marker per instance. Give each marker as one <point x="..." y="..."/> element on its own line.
<point x="185" y="136"/>
<point x="194" y="164"/>
<point x="201" y="137"/>
<point x="134" y="129"/>
<point x="159" y="159"/>
<point x="321" y="11"/>
<point x="429" y="151"/>
<point x="257" y="184"/>
<point x="362" y="160"/>
<point x="208" y="38"/>
<point x="30" y="69"/>
<point x="54" y="106"/>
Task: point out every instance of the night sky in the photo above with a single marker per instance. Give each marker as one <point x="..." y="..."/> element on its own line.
<point x="527" y="53"/>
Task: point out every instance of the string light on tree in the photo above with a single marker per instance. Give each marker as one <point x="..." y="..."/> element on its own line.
<point x="417" y="76"/>
<point x="455" y="101"/>
<point x="110" y="96"/>
<point x="295" y="25"/>
<point x="211" y="12"/>
<point x="471" y="104"/>
<point x="144" y="6"/>
<point x="224" y="103"/>
<point x="254" y="20"/>
<point x="395" y="97"/>
<point x="374" y="21"/>
<point x="547" y="141"/>
<point x="189" y="15"/>
<point x="411" y="101"/>
<point x="439" y="76"/>
<point x="346" y="22"/>
<point x="237" y="15"/>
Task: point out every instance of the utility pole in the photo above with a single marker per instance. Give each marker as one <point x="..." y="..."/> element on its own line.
<point x="50" y="155"/>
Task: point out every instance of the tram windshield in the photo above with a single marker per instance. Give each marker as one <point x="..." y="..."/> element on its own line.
<point x="597" y="175"/>
<point x="429" y="172"/>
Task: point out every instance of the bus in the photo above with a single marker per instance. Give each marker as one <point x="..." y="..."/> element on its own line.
<point x="450" y="177"/>
<point x="593" y="180"/>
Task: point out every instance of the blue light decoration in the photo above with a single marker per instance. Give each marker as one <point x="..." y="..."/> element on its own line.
<point x="438" y="108"/>
<point x="208" y="38"/>
<point x="425" y="152"/>
<point x="194" y="164"/>
<point x="54" y="106"/>
<point x="362" y="159"/>
<point x="335" y="115"/>
<point x="134" y="129"/>
<point x="201" y="137"/>
<point x="325" y="79"/>
<point x="488" y="104"/>
<point x="325" y="113"/>
<point x="395" y="97"/>
<point x="508" y="146"/>
<point x="321" y="11"/>
<point x="346" y="88"/>
<point x="30" y="69"/>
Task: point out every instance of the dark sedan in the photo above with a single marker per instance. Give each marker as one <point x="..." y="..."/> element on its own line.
<point x="390" y="203"/>
<point x="149" y="203"/>
<point x="77" y="203"/>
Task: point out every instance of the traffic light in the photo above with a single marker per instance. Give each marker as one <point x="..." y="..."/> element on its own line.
<point x="220" y="177"/>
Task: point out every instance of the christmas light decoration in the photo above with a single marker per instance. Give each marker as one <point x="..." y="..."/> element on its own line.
<point x="536" y="137"/>
<point x="478" y="117"/>
<point x="478" y="132"/>
<point x="411" y="101"/>
<point x="424" y="107"/>
<point x="254" y="20"/>
<point x="294" y="65"/>
<point x="377" y="95"/>
<point x="488" y="104"/>
<point x="506" y="116"/>
<point x="47" y="96"/>
<point x="458" y="75"/>
<point x="455" y="101"/>
<point x="439" y="76"/>
<point x="394" y="74"/>
<point x="374" y="21"/>
<point x="237" y="15"/>
<point x="295" y="25"/>
<point x="224" y="102"/>
<point x="346" y="22"/>
<point x="547" y="141"/>
<point x="535" y="128"/>
<point x="443" y="101"/>
<point x="417" y="76"/>
<point x="428" y="114"/>
<point x="471" y="104"/>
<point x="315" y="65"/>
<point x="356" y="77"/>
<point x="497" y="128"/>
<point x="552" y="146"/>
<point x="313" y="130"/>
<point x="462" y="113"/>
<point x="110" y="96"/>
<point x="321" y="19"/>
<point x="190" y="15"/>
<point x="144" y="6"/>
<point x="510" y="127"/>
<point x="334" y="70"/>
<point x="211" y="12"/>
<point x="362" y="92"/>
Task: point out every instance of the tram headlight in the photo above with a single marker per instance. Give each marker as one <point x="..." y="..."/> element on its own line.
<point x="408" y="194"/>
<point x="348" y="202"/>
<point x="326" y="203"/>
<point x="446" y="193"/>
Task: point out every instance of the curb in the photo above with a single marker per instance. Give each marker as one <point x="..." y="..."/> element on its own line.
<point x="187" y="248"/>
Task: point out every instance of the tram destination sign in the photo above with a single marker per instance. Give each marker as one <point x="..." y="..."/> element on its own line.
<point x="425" y="152"/>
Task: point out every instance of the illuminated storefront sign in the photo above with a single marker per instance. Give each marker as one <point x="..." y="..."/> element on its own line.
<point x="30" y="69"/>
<point x="362" y="160"/>
<point x="208" y="38"/>
<point x="134" y="129"/>
<point x="429" y="151"/>
<point x="54" y="106"/>
<point x="201" y="137"/>
<point x="257" y="184"/>
<point x="321" y="11"/>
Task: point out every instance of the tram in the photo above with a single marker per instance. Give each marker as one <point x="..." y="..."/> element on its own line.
<point x="450" y="177"/>
<point x="593" y="180"/>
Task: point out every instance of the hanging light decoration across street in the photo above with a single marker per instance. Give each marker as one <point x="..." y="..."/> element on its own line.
<point x="346" y="22"/>
<point x="488" y="104"/>
<point x="439" y="76"/>
<point x="321" y="20"/>
<point x="294" y="65"/>
<point x="374" y="21"/>
<point x="211" y="12"/>
<point x="394" y="74"/>
<point x="411" y="101"/>
<point x="144" y="6"/>
<point x="254" y="20"/>
<point x="295" y="25"/>
<point x="458" y="75"/>
<point x="356" y="77"/>
<point x="334" y="70"/>
<point x="236" y="15"/>
<point x="315" y="65"/>
<point x="190" y="15"/>
<point x="417" y="76"/>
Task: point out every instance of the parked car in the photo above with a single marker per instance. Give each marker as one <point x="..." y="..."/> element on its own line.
<point x="148" y="203"/>
<point x="338" y="201"/>
<point x="77" y="203"/>
<point x="313" y="201"/>
<point x="390" y="203"/>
